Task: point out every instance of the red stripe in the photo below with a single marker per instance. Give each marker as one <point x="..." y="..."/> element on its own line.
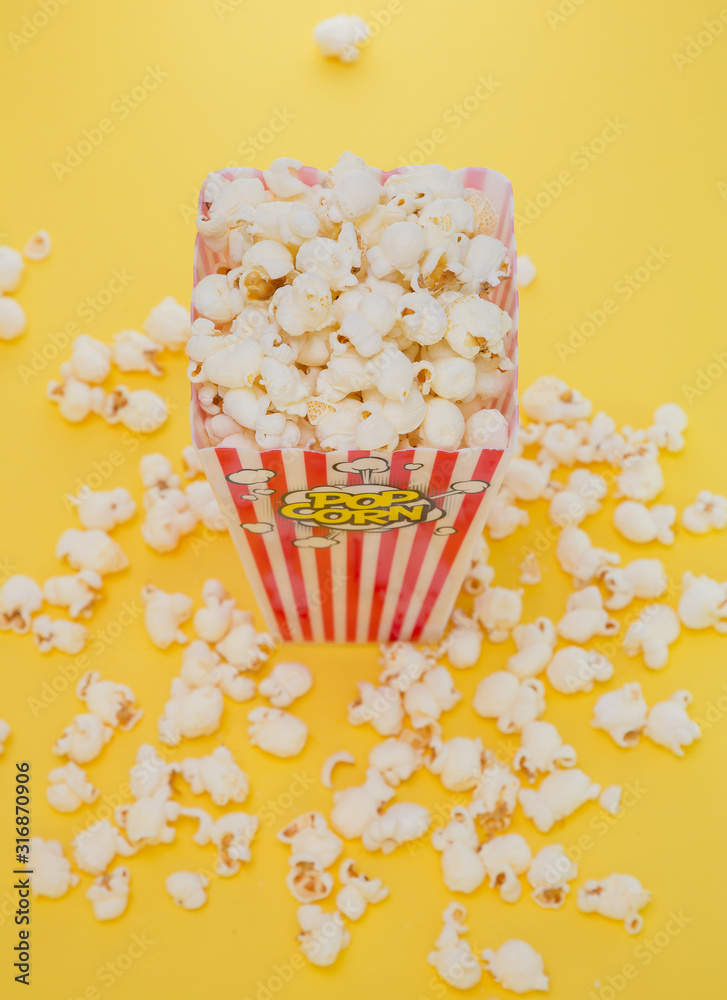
<point x="387" y="544"/>
<point x="354" y="544"/>
<point x="317" y="475"/>
<point x="439" y="481"/>
<point x="230" y="462"/>
<point x="486" y="465"/>
<point x="286" y="532"/>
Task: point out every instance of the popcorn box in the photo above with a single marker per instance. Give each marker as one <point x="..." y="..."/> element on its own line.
<point x="357" y="546"/>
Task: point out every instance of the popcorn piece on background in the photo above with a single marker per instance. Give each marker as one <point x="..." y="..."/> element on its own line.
<point x="51" y="870"/>
<point x="453" y="957"/>
<point x="619" y="897"/>
<point x="187" y="889"/>
<point x="516" y="966"/>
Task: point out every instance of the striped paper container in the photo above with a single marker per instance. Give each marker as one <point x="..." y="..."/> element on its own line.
<point x="357" y="546"/>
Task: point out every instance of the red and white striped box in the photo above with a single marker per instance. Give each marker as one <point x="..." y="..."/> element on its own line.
<point x="357" y="546"/>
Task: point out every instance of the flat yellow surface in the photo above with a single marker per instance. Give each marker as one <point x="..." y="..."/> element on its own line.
<point x="618" y="159"/>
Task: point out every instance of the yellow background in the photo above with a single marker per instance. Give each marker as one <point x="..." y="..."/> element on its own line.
<point x="129" y="206"/>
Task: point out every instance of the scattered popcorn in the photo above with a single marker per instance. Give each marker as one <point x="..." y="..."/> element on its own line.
<point x="585" y="617"/>
<point x="402" y="822"/>
<point x="505" y="857"/>
<point x="310" y="835"/>
<point x="78" y="592"/>
<point x="58" y="633"/>
<point x="20" y="598"/>
<point x="141" y="411"/>
<point x="703" y="603"/>
<point x="535" y="645"/>
<point x="322" y="935"/>
<point x="218" y="775"/>
<point x="105" y="509"/>
<point x="526" y="271"/>
<point x="551" y="400"/>
<point x="669" y="725"/>
<point x="192" y="464"/>
<point x="656" y="628"/>
<point x="480" y="573"/>
<point x="187" y="889"/>
<point x="341" y="37"/>
<point x="51" y="870"/>
<point x="530" y="572"/>
<point x="75" y="399"/>
<point x="495" y="796"/>
<point x="109" y="894"/>
<point x="462" y="867"/>
<point x="243" y="646"/>
<point x="527" y="479"/>
<point x="707" y="513"/>
<point x="358" y="891"/>
<point x="38" y="246"/>
<point x="69" y="788"/>
<point x="232" y="835"/>
<point x="425" y="701"/>
<point x="355" y="807"/>
<point x="163" y="615"/>
<point x="549" y="874"/>
<point x="499" y="610"/>
<point x="516" y="966"/>
<point x="642" y="478"/>
<point x="276" y="732"/>
<point x="670" y="421"/>
<point x="331" y="762"/>
<point x="307" y="880"/>
<point x="558" y="795"/>
<point x="512" y="702"/>
<point x="190" y="712"/>
<point x="505" y="517"/>
<point x="286" y="683"/>
<point x="397" y="758"/>
<point x="610" y="799"/>
<point x="96" y="847"/>
<point x="84" y="739"/>
<point x="463" y="643"/>
<point x="573" y="669"/>
<point x="168" y="324"/>
<point x="114" y="704"/>
<point x="622" y="714"/>
<point x="90" y="359"/>
<point x="458" y="762"/>
<point x="643" y="578"/>
<point x="639" y="523"/>
<point x="94" y="550"/>
<point x="381" y="706"/>
<point x="212" y="621"/>
<point x="453" y="958"/>
<point x="12" y="318"/>
<point x="12" y="266"/>
<point x="542" y="749"/>
<point x="619" y="897"/>
<point x="579" y="557"/>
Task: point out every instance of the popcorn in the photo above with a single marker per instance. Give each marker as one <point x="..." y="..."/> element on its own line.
<point x="90" y="359"/>
<point x="163" y="615"/>
<point x="639" y="523"/>
<point x="243" y="646"/>
<point x="109" y="894"/>
<point x="12" y="318"/>
<point x="573" y="669"/>
<point x="462" y="867"/>
<point x="187" y="889"/>
<point x="504" y="858"/>
<point x="480" y="575"/>
<point x="453" y="958"/>
<point x="168" y="324"/>
<point x="12" y="266"/>
<point x="84" y="739"/>
<point x="579" y="499"/>
<point x="526" y="271"/>
<point x="463" y="643"/>
<point x="458" y="762"/>
<point x="96" y="847"/>
<point x="355" y="807"/>
<point x="622" y="714"/>
<point x="512" y="702"/>
<point x="579" y="557"/>
<point x="307" y="880"/>
<point x="484" y="428"/>
<point x="422" y="318"/>
<point x="341" y="37"/>
<point x="38" y="246"/>
<point x="703" y="603"/>
<point x="332" y="761"/>
<point x="558" y="795"/>
<point x="114" y="704"/>
<point x="551" y="400"/>
<point x="381" y="706"/>
<point x="358" y="891"/>
<point x="707" y="513"/>
<point x="505" y="517"/>
<point x="69" y="788"/>
<point x="93" y="550"/>
<point x="133" y="351"/>
<point x="535" y="645"/>
<point x="475" y="324"/>
<point x="498" y="610"/>
<point x="585" y="617"/>
<point x="610" y="799"/>
<point x="656" y="628"/>
<point x="59" y="633"/>
<point x="105" y="509"/>
<point x="51" y="873"/>
<point x="212" y="622"/>
<point x="516" y="966"/>
<point x="322" y="935"/>
<point x="75" y="399"/>
<point x="20" y="598"/>
<point x="192" y="465"/>
<point x="528" y="480"/>
<point x="148" y="820"/>
<point x="150" y="774"/>
<point x="141" y="411"/>
<point x="495" y="796"/>
<point x="232" y="834"/>
<point x="286" y="683"/>
<point x="619" y="897"/>
<point x="549" y="874"/>
<point x="443" y="425"/>
<point x="190" y="712"/>
<point x="670" y="421"/>
<point x="309" y="834"/>
<point x="669" y="725"/>
<point x="425" y="701"/>
<point x="400" y="823"/>
<point x="542" y="749"/>
<point x="643" y="578"/>
<point x="276" y="732"/>
<point x="217" y="774"/>
<point x="396" y="759"/>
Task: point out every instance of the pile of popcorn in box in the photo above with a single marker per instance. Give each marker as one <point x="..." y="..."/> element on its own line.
<point x="329" y="332"/>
